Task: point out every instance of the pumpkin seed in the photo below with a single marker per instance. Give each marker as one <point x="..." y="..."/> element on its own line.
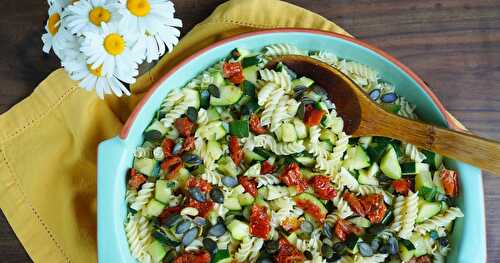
<point x="229" y="181"/>
<point x="183" y="227"/>
<point x="326" y="251"/>
<point x="217" y="230"/>
<point x="375" y="244"/>
<point x="393" y="245"/>
<point x="200" y="221"/>
<point x="178" y="147"/>
<point x="214" y="90"/>
<point x="192" y="114"/>
<point x="189" y="236"/>
<point x="217" y="195"/>
<point x="327" y="231"/>
<point x="153" y="136"/>
<point x="196" y="194"/>
<point x="173" y="220"/>
<point x="192" y="159"/>
<point x="374" y="94"/>
<point x="365" y="250"/>
<point x="210" y="245"/>
<point x="389" y="97"/>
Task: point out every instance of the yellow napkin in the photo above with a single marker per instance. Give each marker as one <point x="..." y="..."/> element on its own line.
<point x="48" y="142"/>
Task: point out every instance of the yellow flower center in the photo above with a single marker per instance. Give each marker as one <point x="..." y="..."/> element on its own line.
<point x="114" y="44"/>
<point x="98" y="15"/>
<point x="96" y="72"/>
<point x="138" y="7"/>
<point x="53" y="23"/>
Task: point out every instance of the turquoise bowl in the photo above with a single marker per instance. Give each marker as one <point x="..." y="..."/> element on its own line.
<point x="116" y="155"/>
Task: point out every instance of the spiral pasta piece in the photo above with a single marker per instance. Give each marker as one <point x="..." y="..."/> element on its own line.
<point x="264" y="94"/>
<point x="399" y="207"/>
<point x="412" y="152"/>
<point x="267" y="179"/>
<point x="202" y="117"/>
<point x="327" y="57"/>
<point x="408" y="215"/>
<point x="439" y="220"/>
<point x="376" y="258"/>
<point x="130" y="196"/>
<point x="267" y="141"/>
<point x="175" y="113"/>
<point x="175" y="96"/>
<point x="282" y="79"/>
<point x="247" y="246"/>
<point x="143" y="196"/>
<point x="281" y="49"/>
<point x="224" y="241"/>
<point x="280" y="114"/>
<point x="270" y="106"/>
<point x="132" y="233"/>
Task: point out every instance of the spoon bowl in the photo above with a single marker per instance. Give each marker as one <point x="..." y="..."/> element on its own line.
<point x="363" y="117"/>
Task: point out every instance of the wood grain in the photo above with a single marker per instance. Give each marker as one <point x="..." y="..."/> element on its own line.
<point x="453" y="44"/>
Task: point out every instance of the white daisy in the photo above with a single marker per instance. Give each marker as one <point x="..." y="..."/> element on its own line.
<point x="57" y="36"/>
<point x="155" y="19"/>
<point x="87" y="15"/>
<point x="90" y="79"/>
<point x="114" y="49"/>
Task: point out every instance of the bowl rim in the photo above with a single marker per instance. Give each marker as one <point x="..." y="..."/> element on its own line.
<point x="450" y="121"/>
<point x="421" y="83"/>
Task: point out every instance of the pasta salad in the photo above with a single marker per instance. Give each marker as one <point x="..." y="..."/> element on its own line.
<point x="251" y="164"/>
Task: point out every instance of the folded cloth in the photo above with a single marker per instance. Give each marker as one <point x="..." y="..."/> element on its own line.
<point x="48" y="141"/>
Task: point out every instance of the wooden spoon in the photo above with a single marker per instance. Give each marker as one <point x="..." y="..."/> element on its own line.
<point x="363" y="117"/>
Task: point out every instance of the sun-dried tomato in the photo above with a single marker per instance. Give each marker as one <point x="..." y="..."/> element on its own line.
<point x="402" y="186"/>
<point x="200" y="183"/>
<point x="235" y="150"/>
<point x="343" y="228"/>
<point x="136" y="179"/>
<point x="267" y="168"/>
<point x="174" y="170"/>
<point x="449" y="178"/>
<point x="200" y="256"/>
<point x="312" y="209"/>
<point x="202" y="207"/>
<point x="260" y="225"/>
<point x="249" y="184"/>
<point x="291" y="175"/>
<point x="184" y="126"/>
<point x="288" y="253"/>
<point x="188" y="144"/>
<point x="313" y="116"/>
<point x="234" y="72"/>
<point x="167" y="146"/>
<point x="255" y="126"/>
<point x="374" y="207"/>
<point x="354" y="203"/>
<point x="323" y="188"/>
<point x="170" y="164"/>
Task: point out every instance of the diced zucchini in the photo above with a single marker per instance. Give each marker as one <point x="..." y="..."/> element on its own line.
<point x="406" y="250"/>
<point x="313" y="200"/>
<point x="228" y="167"/>
<point x="373" y="170"/>
<point x="365" y="178"/>
<point x="238" y="229"/>
<point x="154" y="208"/>
<point x="327" y="146"/>
<point x="302" y="81"/>
<point x="163" y="192"/>
<point x="305" y="161"/>
<point x="423" y="179"/>
<point x="376" y="151"/>
<point x="420" y="245"/>
<point x="328" y="135"/>
<point x="250" y="61"/>
<point x="251" y="156"/>
<point x="239" y="128"/>
<point x="245" y="199"/>
<point x="427" y="210"/>
<point x="390" y="165"/>
<point x="222" y="256"/>
<point x="250" y="73"/>
<point x="156" y="250"/>
<point x="392" y="108"/>
<point x="213" y="114"/>
<point x="192" y="97"/>
<point x="422" y="167"/>
<point x="232" y="203"/>
<point x="300" y="128"/>
<point x="408" y="168"/>
<point x="156" y="125"/>
<point x="308" y="174"/>
<point x="288" y="133"/>
<point x="229" y="94"/>
<point x="360" y="222"/>
<point x="437" y="182"/>
<point x="292" y="238"/>
<point x="213" y="131"/>
<point x="145" y="166"/>
<point x="214" y="149"/>
<point x="435" y="160"/>
<point x="365" y="141"/>
<point x="182" y="176"/>
<point x="239" y="189"/>
<point x="275" y="192"/>
<point x="356" y="158"/>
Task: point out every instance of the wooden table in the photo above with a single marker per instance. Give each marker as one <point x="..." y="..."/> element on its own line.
<point x="453" y="44"/>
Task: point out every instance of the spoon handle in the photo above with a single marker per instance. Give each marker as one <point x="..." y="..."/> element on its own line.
<point x="469" y="148"/>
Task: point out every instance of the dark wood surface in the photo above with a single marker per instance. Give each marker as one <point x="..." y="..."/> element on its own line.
<point x="453" y="44"/>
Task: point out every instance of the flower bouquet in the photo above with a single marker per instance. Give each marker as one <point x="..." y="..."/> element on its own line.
<point x="101" y="43"/>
